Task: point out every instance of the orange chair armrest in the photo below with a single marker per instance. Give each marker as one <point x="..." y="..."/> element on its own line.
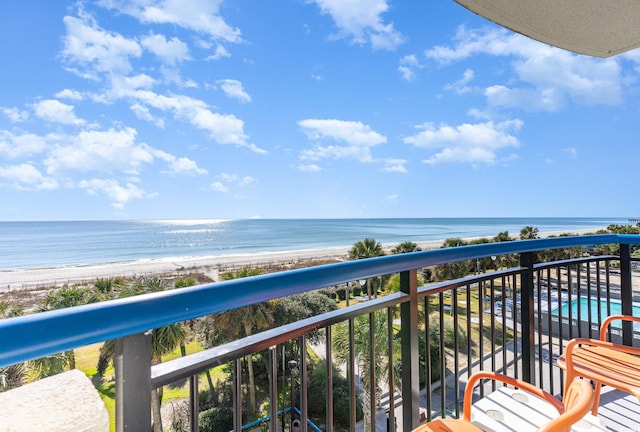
<point x="599" y="343"/>
<point x="578" y="401"/>
<point x="604" y="327"/>
<point x="473" y="380"/>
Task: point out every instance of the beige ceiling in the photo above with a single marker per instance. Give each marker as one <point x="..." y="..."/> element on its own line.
<point x="599" y="28"/>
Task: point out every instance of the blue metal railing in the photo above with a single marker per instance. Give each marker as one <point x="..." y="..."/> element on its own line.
<point x="23" y="338"/>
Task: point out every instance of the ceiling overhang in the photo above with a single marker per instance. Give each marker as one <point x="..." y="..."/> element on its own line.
<point x="599" y="28"/>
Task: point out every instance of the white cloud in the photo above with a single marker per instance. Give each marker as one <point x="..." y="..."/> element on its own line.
<point x="106" y="151"/>
<point x="97" y="50"/>
<point x="395" y="165"/>
<point x="246" y="181"/>
<point x="219" y="187"/>
<point x="529" y="99"/>
<point x="170" y="52"/>
<point x="351" y="132"/>
<point x="357" y="137"/>
<point x="361" y="20"/>
<point x="233" y="89"/>
<point x="111" y="151"/>
<point x="189" y="84"/>
<point x="26" y="176"/>
<point x="13" y="146"/>
<point x="142" y="112"/>
<point x="460" y="87"/>
<point x="408" y="66"/>
<point x="308" y="168"/>
<point x="185" y="165"/>
<point x="119" y="195"/>
<point x="54" y="111"/>
<point x="15" y="115"/>
<point x="392" y="198"/>
<point x="228" y="177"/>
<point x="228" y="180"/>
<point x="223" y="128"/>
<point x="572" y="152"/>
<point x="66" y="156"/>
<point x="122" y="86"/>
<point x="220" y="52"/>
<point x="70" y="94"/>
<point x="478" y="143"/>
<point x="547" y="77"/>
<point x="201" y="16"/>
<point x="181" y="165"/>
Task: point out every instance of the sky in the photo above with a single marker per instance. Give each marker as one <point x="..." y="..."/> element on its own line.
<point x="166" y="109"/>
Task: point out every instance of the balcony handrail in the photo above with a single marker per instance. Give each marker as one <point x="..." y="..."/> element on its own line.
<point x="183" y="367"/>
<point x="37" y="335"/>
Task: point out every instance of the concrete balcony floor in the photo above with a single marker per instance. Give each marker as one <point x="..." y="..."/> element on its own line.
<point x="619" y="411"/>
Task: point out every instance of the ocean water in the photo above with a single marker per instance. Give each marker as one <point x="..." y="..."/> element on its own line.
<point x="25" y="245"/>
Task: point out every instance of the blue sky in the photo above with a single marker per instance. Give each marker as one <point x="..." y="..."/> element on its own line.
<point x="165" y="109"/>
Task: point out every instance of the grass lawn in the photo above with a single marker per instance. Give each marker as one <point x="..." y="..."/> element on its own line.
<point x="87" y="358"/>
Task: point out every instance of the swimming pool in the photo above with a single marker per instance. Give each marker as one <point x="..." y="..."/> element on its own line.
<point x="602" y="305"/>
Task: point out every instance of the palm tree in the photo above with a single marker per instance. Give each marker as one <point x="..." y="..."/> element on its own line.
<point x="163" y="341"/>
<point x="244" y="321"/>
<point x="106" y="286"/>
<point x="14" y="375"/>
<point x="406" y="247"/>
<point x="502" y="237"/>
<point x="452" y="270"/>
<point x="67" y="296"/>
<point x="241" y="322"/>
<point x="393" y="284"/>
<point x="362" y="354"/>
<point x="367" y="248"/>
<point x="505" y="261"/>
<point x="529" y="233"/>
<point x="53" y="364"/>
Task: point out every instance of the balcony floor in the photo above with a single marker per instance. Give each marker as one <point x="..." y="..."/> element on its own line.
<point x="619" y="411"/>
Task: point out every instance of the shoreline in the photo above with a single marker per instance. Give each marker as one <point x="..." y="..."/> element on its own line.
<point x="24" y="279"/>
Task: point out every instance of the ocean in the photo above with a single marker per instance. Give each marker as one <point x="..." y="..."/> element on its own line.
<point x="26" y="245"/>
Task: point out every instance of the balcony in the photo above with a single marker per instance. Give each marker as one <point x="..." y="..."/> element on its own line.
<point x="418" y="344"/>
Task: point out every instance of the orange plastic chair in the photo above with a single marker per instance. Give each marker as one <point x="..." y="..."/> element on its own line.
<point x="604" y="362"/>
<point x="576" y="404"/>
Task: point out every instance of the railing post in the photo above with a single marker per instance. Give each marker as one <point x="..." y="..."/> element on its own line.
<point x="351" y="373"/>
<point x="303" y="384"/>
<point x="194" y="403"/>
<point x="132" y="362"/>
<point x="329" y="358"/>
<point x="237" y="395"/>
<point x="273" y="389"/>
<point x="409" y="340"/>
<point x="626" y="293"/>
<point x="527" y="260"/>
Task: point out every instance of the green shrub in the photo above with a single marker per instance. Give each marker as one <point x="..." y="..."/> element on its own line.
<point x="448" y="333"/>
<point x="317" y="395"/>
<point x="216" y="419"/>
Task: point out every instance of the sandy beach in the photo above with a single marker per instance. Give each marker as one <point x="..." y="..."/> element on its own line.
<point x="58" y="276"/>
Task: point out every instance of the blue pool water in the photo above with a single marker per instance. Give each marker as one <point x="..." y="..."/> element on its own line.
<point x="602" y="305"/>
